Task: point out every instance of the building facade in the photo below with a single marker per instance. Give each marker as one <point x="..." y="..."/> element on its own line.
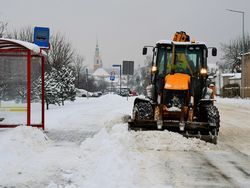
<point x="246" y="75"/>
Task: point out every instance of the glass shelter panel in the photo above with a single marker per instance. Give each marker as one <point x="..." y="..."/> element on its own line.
<point x="36" y="104"/>
<point x="13" y="88"/>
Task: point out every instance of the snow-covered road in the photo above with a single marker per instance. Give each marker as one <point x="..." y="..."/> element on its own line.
<point x="87" y="144"/>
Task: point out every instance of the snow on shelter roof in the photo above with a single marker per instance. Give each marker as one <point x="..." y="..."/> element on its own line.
<point x="7" y="44"/>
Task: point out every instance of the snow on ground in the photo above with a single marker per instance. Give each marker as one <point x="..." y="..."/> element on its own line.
<point x="87" y="144"/>
<point x="235" y="102"/>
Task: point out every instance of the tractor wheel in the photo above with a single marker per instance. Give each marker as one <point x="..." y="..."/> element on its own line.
<point x="142" y="111"/>
<point x="211" y="115"/>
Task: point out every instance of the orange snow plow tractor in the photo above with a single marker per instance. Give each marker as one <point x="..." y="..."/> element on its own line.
<point x="179" y="98"/>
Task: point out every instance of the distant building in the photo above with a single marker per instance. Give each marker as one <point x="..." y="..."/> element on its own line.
<point x="246" y="74"/>
<point x="224" y="79"/>
<point x="97" y="58"/>
<point x="101" y="74"/>
<point x="236" y="79"/>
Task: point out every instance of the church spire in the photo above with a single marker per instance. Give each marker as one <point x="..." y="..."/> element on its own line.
<point x="97" y="57"/>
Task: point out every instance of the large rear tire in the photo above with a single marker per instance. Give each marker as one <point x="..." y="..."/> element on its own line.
<point x="210" y="114"/>
<point x="213" y="116"/>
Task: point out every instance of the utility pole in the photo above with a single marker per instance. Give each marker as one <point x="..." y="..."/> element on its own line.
<point x="243" y="71"/>
<point x="87" y="83"/>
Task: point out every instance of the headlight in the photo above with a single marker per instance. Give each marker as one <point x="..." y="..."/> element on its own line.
<point x="203" y="71"/>
<point x="154" y="69"/>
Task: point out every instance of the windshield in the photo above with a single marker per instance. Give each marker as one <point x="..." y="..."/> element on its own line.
<point x="187" y="59"/>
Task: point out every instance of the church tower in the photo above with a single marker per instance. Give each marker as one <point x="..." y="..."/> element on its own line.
<point x="97" y="58"/>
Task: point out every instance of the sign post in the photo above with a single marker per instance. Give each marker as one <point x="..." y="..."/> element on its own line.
<point x="112" y="78"/>
<point x="120" y="67"/>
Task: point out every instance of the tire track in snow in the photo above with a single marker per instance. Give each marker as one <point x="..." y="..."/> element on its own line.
<point x="239" y="160"/>
<point x="194" y="169"/>
<point x="76" y="136"/>
<point x="247" y="175"/>
<point x="233" y="164"/>
<point x="217" y="170"/>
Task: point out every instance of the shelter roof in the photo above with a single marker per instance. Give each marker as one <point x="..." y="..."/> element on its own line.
<point x="6" y="44"/>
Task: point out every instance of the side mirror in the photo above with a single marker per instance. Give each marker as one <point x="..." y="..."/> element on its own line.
<point x="214" y="52"/>
<point x="144" y="51"/>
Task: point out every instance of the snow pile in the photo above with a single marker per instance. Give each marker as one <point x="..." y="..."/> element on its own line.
<point x="23" y="137"/>
<point x="114" y="157"/>
<point x="112" y="97"/>
<point x="20" y="153"/>
<point x="236" y="102"/>
<point x="108" y="159"/>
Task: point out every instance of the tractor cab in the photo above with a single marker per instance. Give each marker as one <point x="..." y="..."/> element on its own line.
<point x="179" y="65"/>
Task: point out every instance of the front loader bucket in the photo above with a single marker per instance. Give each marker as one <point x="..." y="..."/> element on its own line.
<point x="192" y="129"/>
<point x="205" y="137"/>
<point x="142" y="125"/>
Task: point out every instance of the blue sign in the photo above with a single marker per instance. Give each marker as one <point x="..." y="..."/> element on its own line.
<point x="41" y="37"/>
<point x="112" y="77"/>
<point x="116" y="65"/>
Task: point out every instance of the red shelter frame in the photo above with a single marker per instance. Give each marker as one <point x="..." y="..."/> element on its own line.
<point x="11" y="47"/>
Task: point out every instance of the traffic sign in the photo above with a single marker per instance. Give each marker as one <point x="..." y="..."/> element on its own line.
<point x="41" y="37"/>
<point x="112" y="77"/>
<point x="128" y="67"/>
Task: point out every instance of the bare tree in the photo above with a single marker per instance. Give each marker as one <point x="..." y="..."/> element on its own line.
<point x="24" y="34"/>
<point x="60" y="53"/>
<point x="78" y="68"/>
<point x="3" y="28"/>
<point x="231" y="60"/>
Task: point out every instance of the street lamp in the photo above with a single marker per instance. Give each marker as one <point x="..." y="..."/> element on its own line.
<point x="120" y="67"/>
<point x="243" y="47"/>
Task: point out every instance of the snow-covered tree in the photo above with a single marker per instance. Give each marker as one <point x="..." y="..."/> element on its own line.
<point x="51" y="88"/>
<point x="21" y="93"/>
<point x="66" y="80"/>
<point x="3" y="87"/>
<point x="59" y="86"/>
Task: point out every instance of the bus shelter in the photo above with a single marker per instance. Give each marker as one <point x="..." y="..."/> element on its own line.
<point x="21" y="84"/>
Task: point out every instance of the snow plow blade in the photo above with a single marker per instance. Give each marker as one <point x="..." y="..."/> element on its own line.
<point x="198" y="130"/>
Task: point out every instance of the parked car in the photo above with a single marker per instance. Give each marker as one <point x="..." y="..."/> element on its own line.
<point x="96" y="94"/>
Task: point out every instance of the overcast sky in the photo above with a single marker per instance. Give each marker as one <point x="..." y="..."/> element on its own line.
<point x="124" y="26"/>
